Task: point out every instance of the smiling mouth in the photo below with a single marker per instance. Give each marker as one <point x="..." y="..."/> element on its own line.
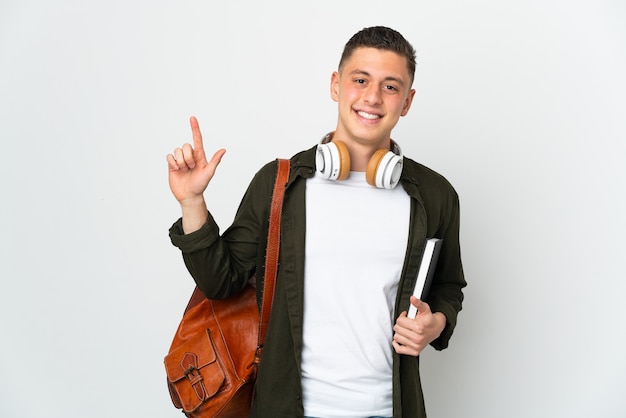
<point x="369" y="116"/>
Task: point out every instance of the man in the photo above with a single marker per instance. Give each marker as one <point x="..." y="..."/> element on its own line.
<point x="339" y="343"/>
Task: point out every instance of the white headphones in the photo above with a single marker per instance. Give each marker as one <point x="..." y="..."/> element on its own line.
<point x="383" y="169"/>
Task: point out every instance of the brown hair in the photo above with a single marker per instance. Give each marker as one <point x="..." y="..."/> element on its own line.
<point x="384" y="38"/>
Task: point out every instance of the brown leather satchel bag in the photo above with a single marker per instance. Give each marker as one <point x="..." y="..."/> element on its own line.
<point x="212" y="361"/>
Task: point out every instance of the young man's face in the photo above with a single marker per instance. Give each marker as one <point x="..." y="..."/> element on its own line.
<point x="372" y="91"/>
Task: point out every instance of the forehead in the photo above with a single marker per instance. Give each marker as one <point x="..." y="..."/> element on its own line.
<point x="377" y="62"/>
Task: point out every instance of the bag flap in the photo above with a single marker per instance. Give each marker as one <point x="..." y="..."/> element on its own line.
<point x="193" y="371"/>
<point x="197" y="352"/>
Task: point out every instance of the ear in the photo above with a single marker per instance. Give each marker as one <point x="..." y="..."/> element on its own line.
<point x="334" y="86"/>
<point x="407" y="102"/>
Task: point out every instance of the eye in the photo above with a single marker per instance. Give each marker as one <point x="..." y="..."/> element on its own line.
<point x="359" y="81"/>
<point x="390" y="87"/>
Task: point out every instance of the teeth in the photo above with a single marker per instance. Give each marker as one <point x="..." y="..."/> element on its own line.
<point x="368" y="115"/>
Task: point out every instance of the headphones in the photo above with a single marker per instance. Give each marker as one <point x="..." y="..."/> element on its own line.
<point x="332" y="161"/>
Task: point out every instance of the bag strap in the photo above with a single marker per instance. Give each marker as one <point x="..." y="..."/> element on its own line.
<point x="271" y="256"/>
<point x="272" y="251"/>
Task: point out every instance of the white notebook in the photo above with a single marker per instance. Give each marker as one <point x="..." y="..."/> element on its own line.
<point x="426" y="272"/>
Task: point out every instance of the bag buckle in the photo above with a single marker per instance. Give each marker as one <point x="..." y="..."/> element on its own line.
<point x="189" y="363"/>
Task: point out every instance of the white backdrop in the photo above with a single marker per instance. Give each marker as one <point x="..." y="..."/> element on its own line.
<point x="521" y="105"/>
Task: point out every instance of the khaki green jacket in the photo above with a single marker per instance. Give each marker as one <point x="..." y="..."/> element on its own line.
<point x="222" y="265"/>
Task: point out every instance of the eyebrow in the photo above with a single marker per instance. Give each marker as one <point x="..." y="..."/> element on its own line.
<point x="388" y="78"/>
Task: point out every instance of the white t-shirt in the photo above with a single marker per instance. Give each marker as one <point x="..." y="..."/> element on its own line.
<point x="356" y="240"/>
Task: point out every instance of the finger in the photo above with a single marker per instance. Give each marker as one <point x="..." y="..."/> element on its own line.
<point x="407" y="349"/>
<point x="189" y="156"/>
<point x="408" y="328"/>
<point x="197" y="135"/>
<point x="404" y="329"/>
<point x="171" y="162"/>
<point x="180" y="159"/>
<point x="413" y="338"/>
<point x="404" y="324"/>
<point x="404" y="341"/>
<point x="400" y="349"/>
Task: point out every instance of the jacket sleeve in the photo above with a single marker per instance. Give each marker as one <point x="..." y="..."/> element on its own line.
<point x="222" y="265"/>
<point x="446" y="294"/>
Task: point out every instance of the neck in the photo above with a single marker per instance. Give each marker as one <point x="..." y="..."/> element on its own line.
<point x="360" y="156"/>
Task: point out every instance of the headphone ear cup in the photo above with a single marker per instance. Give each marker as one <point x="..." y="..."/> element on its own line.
<point x="372" y="166"/>
<point x="333" y="160"/>
<point x="344" y="160"/>
<point x="384" y="169"/>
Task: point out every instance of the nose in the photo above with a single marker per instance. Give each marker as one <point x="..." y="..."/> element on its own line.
<point x="372" y="95"/>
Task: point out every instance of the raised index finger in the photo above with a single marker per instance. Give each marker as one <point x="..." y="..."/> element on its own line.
<point x="196" y="134"/>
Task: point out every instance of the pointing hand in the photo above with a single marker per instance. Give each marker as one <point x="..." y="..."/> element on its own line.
<point x="189" y="170"/>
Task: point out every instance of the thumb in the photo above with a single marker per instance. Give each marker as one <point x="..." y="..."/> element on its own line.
<point x="214" y="162"/>
<point x="422" y="307"/>
<point x="217" y="157"/>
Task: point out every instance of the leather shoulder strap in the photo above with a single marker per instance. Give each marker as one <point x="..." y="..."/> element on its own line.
<point x="271" y="252"/>
<point x="273" y="247"/>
